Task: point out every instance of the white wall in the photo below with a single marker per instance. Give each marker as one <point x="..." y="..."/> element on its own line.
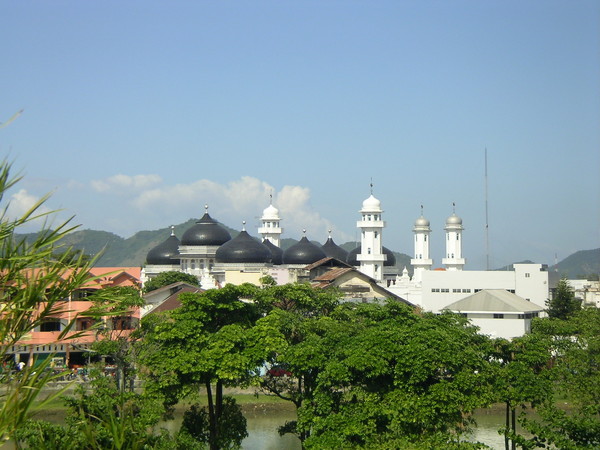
<point x="528" y="281"/>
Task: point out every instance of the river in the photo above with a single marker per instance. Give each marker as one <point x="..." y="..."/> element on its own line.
<point x="264" y="419"/>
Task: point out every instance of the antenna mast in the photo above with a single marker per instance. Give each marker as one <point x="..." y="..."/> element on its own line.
<point x="487" y="227"/>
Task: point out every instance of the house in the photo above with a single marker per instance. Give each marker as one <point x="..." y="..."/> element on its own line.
<point x="354" y="284"/>
<point x="166" y="298"/>
<point x="497" y="312"/>
<point x="46" y="340"/>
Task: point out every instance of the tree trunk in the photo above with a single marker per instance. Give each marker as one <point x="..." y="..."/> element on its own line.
<point x="514" y="427"/>
<point x="212" y="426"/>
<point x="506" y="441"/>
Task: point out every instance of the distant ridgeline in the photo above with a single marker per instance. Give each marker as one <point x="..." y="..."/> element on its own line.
<point x="131" y="252"/>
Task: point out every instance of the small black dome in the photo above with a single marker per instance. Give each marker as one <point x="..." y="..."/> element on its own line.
<point x="276" y="252"/>
<point x="207" y="231"/>
<point x="333" y="250"/>
<point x="352" y="254"/>
<point x="304" y="252"/>
<point x="243" y="249"/>
<point x="353" y="261"/>
<point x="165" y="253"/>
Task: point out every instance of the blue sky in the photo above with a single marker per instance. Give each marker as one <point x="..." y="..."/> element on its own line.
<point x="138" y="113"/>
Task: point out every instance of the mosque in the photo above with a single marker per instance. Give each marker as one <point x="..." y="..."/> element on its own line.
<point x="207" y="251"/>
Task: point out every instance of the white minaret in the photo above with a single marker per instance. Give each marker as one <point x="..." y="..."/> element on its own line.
<point x="453" y="259"/>
<point x="421" y="261"/>
<point x="270" y="228"/>
<point x="371" y="255"/>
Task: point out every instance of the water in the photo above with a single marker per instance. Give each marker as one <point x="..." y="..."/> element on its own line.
<point x="263" y="421"/>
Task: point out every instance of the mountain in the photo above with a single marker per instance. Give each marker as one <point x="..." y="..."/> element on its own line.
<point x="120" y="252"/>
<point x="580" y="264"/>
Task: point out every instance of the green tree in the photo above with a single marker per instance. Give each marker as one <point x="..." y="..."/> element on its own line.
<point x="170" y="277"/>
<point x="563" y="303"/>
<point x="117" y="343"/>
<point x="100" y="416"/>
<point x="205" y="344"/>
<point x="33" y="285"/>
<point x="523" y="379"/>
<point x="366" y="375"/>
<point x="398" y="377"/>
<point x="576" y="368"/>
<point x="293" y="310"/>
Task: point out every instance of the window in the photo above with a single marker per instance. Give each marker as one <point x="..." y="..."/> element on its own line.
<point x="527" y="275"/>
<point x="498" y="316"/>
<point x="84" y="324"/>
<point x="50" y="325"/>
<point x="122" y="323"/>
<point x="445" y="290"/>
<point x="435" y="290"/>
<point x="425" y="238"/>
<point x="466" y="291"/>
<point x="376" y="234"/>
<point x="193" y="264"/>
<point x="456" y="291"/>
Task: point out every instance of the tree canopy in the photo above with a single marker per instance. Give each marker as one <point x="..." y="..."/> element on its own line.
<point x="169" y="277"/>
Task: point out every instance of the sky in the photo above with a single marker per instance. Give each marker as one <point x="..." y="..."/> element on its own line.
<point x="137" y="114"/>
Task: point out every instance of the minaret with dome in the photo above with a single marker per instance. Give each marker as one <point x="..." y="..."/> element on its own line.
<point x="270" y="228"/>
<point x="453" y="260"/>
<point x="371" y="256"/>
<point x="421" y="261"/>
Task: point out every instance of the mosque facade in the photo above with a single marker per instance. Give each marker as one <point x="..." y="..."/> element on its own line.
<point x="207" y="251"/>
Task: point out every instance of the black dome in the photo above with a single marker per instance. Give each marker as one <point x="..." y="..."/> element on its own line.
<point x="333" y="250"/>
<point x="304" y="252"/>
<point x="243" y="249"/>
<point x="166" y="253"/>
<point x="276" y="252"/>
<point x="207" y="231"/>
<point x="352" y="254"/>
<point x="353" y="261"/>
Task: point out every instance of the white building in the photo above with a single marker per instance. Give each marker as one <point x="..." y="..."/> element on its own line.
<point x="497" y="312"/>
<point x="586" y="291"/>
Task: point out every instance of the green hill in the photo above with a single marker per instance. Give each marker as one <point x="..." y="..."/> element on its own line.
<point x="581" y="264"/>
<point x="119" y="252"/>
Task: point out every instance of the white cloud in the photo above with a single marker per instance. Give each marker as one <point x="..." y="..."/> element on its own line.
<point x="239" y="200"/>
<point x="20" y="203"/>
<point x="118" y="182"/>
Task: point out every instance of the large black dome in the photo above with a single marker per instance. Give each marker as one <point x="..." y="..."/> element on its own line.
<point x="207" y="231"/>
<point x="333" y="250"/>
<point x="276" y="252"/>
<point x="304" y="252"/>
<point x="165" y="253"/>
<point x="243" y="249"/>
<point x="353" y="261"/>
